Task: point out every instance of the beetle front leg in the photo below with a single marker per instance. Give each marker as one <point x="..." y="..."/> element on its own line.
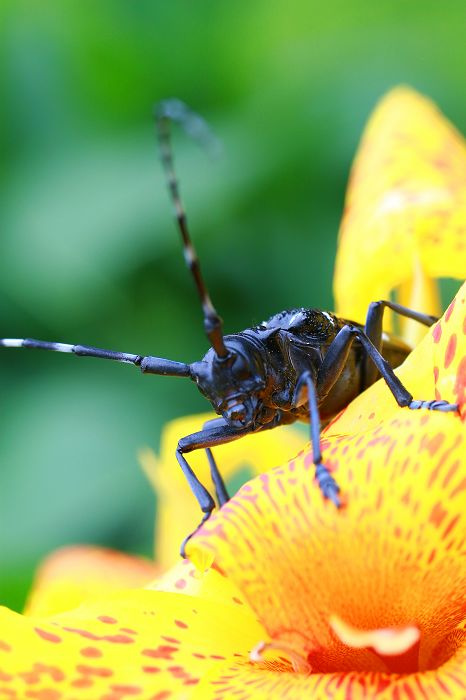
<point x="217" y="479"/>
<point x="327" y="483"/>
<point x="205" y="439"/>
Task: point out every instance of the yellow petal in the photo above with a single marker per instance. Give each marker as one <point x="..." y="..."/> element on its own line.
<point x="143" y="644"/>
<point x="178" y="513"/>
<point x="405" y="210"/>
<point x="390" y="558"/>
<point x="72" y="575"/>
<point x="186" y="578"/>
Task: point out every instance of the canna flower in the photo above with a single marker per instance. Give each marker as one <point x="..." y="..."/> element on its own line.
<point x="300" y="600"/>
<point x="285" y="596"/>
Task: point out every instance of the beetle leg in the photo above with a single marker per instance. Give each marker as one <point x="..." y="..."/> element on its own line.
<point x="218" y="435"/>
<point x="373" y="330"/>
<point x="217" y="479"/>
<point x="335" y="360"/>
<point x="327" y="483"/>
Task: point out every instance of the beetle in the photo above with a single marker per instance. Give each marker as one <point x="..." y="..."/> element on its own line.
<point x="300" y="364"/>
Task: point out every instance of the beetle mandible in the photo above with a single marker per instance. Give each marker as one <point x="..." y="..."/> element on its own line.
<point x="300" y="364"/>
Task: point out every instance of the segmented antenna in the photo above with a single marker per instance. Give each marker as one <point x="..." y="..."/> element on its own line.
<point x="176" y="111"/>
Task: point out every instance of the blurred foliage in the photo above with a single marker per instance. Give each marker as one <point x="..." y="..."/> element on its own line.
<point x="89" y="252"/>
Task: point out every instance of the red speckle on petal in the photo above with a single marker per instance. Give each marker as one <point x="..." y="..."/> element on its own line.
<point x="437" y="332"/>
<point x="432" y="445"/>
<point x="113" y="638"/>
<point x="163" y="695"/>
<point x="237" y="600"/>
<point x="180" y="623"/>
<point x="91" y="652"/>
<point x="436" y="371"/>
<point x="449" y="311"/>
<point x="4" y="646"/>
<point x="83" y="683"/>
<point x="450" y="351"/>
<point x="126" y="689"/>
<point x="128" y="630"/>
<point x="44" y="694"/>
<point x="162" y="652"/>
<point x="151" y="669"/>
<point x="107" y="620"/>
<point x="94" y="671"/>
<point x="34" y="675"/>
<point x="437" y="515"/>
<point x="461" y="487"/>
<point x="451" y="473"/>
<point x="47" y="636"/>
<point x="170" y="640"/>
<point x="180" y="584"/>
<point x="177" y="671"/>
<point x="450" y="526"/>
<point x="8" y="692"/>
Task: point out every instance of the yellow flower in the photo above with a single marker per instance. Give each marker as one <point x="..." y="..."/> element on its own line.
<point x="302" y="599"/>
<point x="363" y="602"/>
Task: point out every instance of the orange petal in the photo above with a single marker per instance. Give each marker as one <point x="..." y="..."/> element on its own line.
<point x="405" y="209"/>
<point x="178" y="513"/>
<point x="391" y="557"/>
<point x="275" y="682"/>
<point x="72" y="575"/>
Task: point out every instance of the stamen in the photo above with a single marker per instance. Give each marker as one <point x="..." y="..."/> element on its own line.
<point x="388" y="641"/>
<point x="299" y="663"/>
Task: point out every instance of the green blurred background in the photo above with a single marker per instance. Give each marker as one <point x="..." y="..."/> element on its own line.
<point x="88" y="250"/>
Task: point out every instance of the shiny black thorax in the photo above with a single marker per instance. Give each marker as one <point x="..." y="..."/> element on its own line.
<point x="255" y="385"/>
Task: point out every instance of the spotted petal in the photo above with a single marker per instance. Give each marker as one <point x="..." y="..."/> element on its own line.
<point x="148" y="644"/>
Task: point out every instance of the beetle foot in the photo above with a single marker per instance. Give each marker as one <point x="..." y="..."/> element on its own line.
<point x="205" y="517"/>
<point x="434" y="405"/>
<point x="327" y="484"/>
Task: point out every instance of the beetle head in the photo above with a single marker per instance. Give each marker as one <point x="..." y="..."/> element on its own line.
<point x="233" y="384"/>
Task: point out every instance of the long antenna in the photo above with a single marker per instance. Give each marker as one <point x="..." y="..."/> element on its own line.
<point x="176" y="111"/>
